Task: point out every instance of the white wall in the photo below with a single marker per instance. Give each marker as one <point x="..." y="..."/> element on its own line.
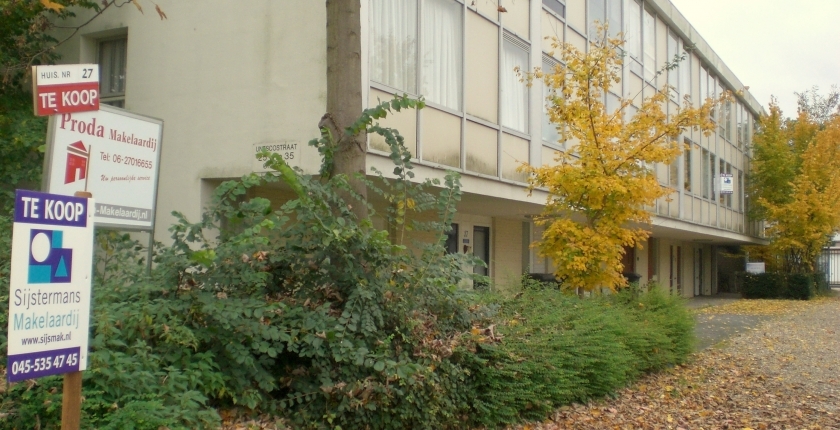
<point x="223" y="77"/>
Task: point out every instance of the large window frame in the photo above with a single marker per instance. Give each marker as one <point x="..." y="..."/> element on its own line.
<point x="549" y="131"/>
<point x="417" y="48"/>
<point x="606" y="12"/>
<point x="673" y="49"/>
<point x="112" y="57"/>
<point x="555" y="6"/>
<point x="515" y="97"/>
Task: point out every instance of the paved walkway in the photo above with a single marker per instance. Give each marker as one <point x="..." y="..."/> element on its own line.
<point x="714" y="329"/>
<point x="716" y="300"/>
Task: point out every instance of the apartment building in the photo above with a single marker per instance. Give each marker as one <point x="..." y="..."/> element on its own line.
<point x="228" y="78"/>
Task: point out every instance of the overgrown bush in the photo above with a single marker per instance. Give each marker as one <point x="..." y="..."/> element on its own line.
<point x="548" y="349"/>
<point x="303" y="311"/>
<point x="308" y="313"/>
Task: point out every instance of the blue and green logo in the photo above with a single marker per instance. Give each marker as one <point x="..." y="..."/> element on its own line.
<point x="49" y="262"/>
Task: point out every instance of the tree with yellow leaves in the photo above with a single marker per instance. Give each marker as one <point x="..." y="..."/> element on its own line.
<point x="599" y="190"/>
<point x="795" y="183"/>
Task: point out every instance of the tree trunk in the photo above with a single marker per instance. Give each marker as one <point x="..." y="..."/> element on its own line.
<point x="344" y="94"/>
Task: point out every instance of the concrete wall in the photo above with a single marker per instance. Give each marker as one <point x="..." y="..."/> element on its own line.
<point x="507" y="258"/>
<point x="223" y="77"/>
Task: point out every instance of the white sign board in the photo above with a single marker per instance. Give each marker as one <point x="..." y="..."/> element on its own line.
<point x="49" y="286"/>
<point x="289" y="150"/>
<point x="755" y="268"/>
<point x="113" y="154"/>
<point x="726" y="183"/>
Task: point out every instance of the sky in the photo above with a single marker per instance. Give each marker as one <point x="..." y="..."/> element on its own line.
<point x="775" y="47"/>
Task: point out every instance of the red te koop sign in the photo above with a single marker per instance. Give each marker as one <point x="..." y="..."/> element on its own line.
<point x="65" y="88"/>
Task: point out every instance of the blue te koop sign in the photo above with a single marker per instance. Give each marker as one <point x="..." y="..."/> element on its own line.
<point x="49" y="290"/>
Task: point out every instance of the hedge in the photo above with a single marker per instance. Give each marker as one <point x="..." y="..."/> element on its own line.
<point x="795" y="286"/>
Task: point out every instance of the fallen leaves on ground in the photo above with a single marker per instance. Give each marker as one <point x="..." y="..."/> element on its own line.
<point x="238" y="419"/>
<point x="762" y="307"/>
<point x="783" y="374"/>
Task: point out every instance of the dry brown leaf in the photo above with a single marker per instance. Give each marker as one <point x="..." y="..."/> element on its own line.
<point x="136" y="4"/>
<point x="160" y="12"/>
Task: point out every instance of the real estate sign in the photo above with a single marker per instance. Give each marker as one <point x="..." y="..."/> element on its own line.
<point x="726" y="183"/>
<point x="49" y="285"/>
<point x="65" y="88"/>
<point x="111" y="153"/>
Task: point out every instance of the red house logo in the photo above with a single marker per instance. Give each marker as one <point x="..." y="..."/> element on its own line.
<point x="77" y="161"/>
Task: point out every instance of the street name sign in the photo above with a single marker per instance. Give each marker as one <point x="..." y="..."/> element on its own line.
<point x="50" y="285"/>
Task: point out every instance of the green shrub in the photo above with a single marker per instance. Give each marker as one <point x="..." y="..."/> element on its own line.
<point x="304" y="311"/>
<point x="821" y="283"/>
<point x="556" y="349"/>
<point x="799" y="286"/>
<point x="795" y="286"/>
<point x="763" y="286"/>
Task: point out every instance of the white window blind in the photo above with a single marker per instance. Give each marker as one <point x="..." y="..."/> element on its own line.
<point x="393" y="49"/>
<point x="514" y="92"/>
<point x="442" y="52"/>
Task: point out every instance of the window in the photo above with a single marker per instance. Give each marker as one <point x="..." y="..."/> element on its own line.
<point x="112" y="69"/>
<point x="442" y="52"/>
<point x="673" y="173"/>
<point x="555" y="6"/>
<point x="685" y="73"/>
<point x="748" y="127"/>
<point x="707" y="181"/>
<point x="649" y="43"/>
<point x="597" y="14"/>
<point x="612" y="105"/>
<point x="704" y="85"/>
<point x="726" y="121"/>
<point x="394" y="48"/>
<point x="729" y="196"/>
<point x="514" y="92"/>
<point x="606" y="12"/>
<point x="725" y="199"/>
<point x="614" y="17"/>
<point x="673" y="72"/>
<point x="739" y="124"/>
<point x="549" y="130"/>
<point x="711" y="175"/>
<point x="394" y="44"/>
<point x="711" y="94"/>
<point x="687" y="166"/>
<point x="633" y="33"/>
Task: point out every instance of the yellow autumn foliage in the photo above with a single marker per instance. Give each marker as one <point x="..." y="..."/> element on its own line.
<point x="600" y="189"/>
<point x="796" y="174"/>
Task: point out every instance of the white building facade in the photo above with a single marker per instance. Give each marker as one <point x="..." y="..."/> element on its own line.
<point x="228" y="77"/>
